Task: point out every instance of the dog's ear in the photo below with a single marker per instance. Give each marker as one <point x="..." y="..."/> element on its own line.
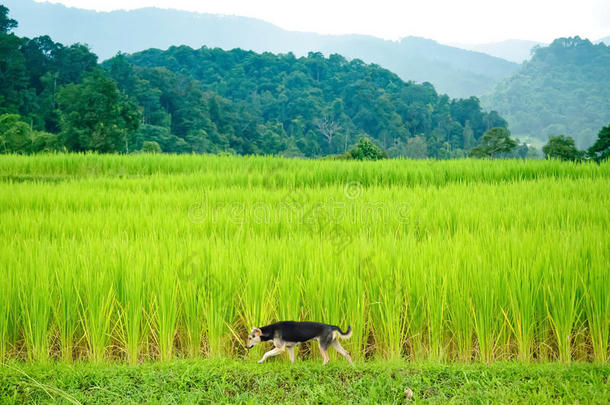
<point x="257" y="331"/>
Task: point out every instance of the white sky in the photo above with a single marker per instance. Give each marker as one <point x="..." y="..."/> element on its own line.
<point x="450" y="21"/>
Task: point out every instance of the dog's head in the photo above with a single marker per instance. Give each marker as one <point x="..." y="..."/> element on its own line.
<point x="254" y="337"/>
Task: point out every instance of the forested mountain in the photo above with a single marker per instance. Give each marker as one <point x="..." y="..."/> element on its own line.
<point x="563" y="90"/>
<point x="54" y="97"/>
<point x="310" y="106"/>
<point x="514" y="50"/>
<point x="457" y="72"/>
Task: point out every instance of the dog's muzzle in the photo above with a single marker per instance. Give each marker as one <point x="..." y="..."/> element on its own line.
<point x="249" y="347"/>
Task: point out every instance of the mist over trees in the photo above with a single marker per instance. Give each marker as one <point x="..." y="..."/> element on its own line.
<point x="454" y="71"/>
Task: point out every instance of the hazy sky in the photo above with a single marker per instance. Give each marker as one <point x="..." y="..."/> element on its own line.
<point x="450" y="21"/>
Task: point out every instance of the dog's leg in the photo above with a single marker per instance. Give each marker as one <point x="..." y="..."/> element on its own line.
<point x="290" y="353"/>
<point x="271" y="353"/>
<point x="341" y="350"/>
<point x="324" y="353"/>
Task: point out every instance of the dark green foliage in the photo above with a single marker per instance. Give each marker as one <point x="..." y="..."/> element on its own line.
<point x="495" y="142"/>
<point x="564" y="88"/>
<point x="367" y="150"/>
<point x="151" y="147"/>
<point x="17" y="136"/>
<point x="32" y="71"/>
<point x="6" y="24"/>
<point x="247" y="103"/>
<point x="561" y="147"/>
<point x="601" y="148"/>
<point x="96" y="116"/>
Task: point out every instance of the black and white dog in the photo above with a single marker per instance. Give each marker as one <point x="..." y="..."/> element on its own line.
<point x="287" y="334"/>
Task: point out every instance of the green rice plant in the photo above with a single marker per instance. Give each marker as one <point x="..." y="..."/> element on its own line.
<point x="8" y="308"/>
<point x="66" y="311"/>
<point x="521" y="314"/>
<point x="388" y="306"/>
<point x="322" y="289"/>
<point x="35" y="305"/>
<point x="288" y="304"/>
<point x="192" y="301"/>
<point x="355" y="303"/>
<point x="461" y="320"/>
<point x="563" y="304"/>
<point x="97" y="302"/>
<point x="487" y="316"/>
<point x="595" y="283"/>
<point x="523" y="295"/>
<point x="220" y="305"/>
<point x="257" y="283"/>
<point x="165" y="308"/>
<point x="436" y="310"/>
<point x="131" y="305"/>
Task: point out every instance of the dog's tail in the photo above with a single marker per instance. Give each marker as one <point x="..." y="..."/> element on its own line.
<point x="344" y="335"/>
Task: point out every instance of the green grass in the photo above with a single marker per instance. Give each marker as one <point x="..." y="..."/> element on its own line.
<point x="305" y="382"/>
<point x="139" y="258"/>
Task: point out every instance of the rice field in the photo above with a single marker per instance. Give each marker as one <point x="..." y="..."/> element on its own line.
<point x="155" y="257"/>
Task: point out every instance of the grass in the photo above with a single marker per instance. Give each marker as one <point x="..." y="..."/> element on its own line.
<point x="229" y="381"/>
<point x="139" y="258"/>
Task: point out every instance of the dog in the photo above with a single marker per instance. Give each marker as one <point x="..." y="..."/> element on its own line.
<point x="287" y="334"/>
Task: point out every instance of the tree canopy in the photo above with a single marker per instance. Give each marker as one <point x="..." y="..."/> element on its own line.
<point x="6" y="24"/>
<point x="561" y="147"/>
<point x="495" y="142"/>
<point x="243" y="102"/>
<point x="600" y="150"/>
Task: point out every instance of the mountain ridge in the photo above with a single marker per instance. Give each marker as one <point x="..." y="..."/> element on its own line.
<point x="455" y="71"/>
<point x="514" y="50"/>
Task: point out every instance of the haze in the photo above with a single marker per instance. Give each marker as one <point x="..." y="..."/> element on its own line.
<point x="467" y="21"/>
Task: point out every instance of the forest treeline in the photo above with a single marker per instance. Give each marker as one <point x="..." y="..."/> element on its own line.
<point x="56" y="97"/>
<point x="183" y="100"/>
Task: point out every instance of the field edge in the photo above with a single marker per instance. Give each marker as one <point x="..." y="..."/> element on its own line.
<point x="234" y="381"/>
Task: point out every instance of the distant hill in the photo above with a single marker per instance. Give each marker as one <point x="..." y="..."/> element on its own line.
<point x="564" y="89"/>
<point x="515" y="50"/>
<point x="457" y="72"/>
<point x="213" y="101"/>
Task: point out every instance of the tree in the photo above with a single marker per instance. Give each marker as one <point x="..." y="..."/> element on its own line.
<point x="561" y="147"/>
<point x="495" y="141"/>
<point x="6" y="24"/>
<point x="601" y="148"/>
<point x="417" y="148"/>
<point x="96" y="116"/>
<point x="151" y="147"/>
<point x="367" y="150"/>
<point x="467" y="136"/>
<point x="327" y="127"/>
<point x="15" y="135"/>
<point x="13" y="75"/>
